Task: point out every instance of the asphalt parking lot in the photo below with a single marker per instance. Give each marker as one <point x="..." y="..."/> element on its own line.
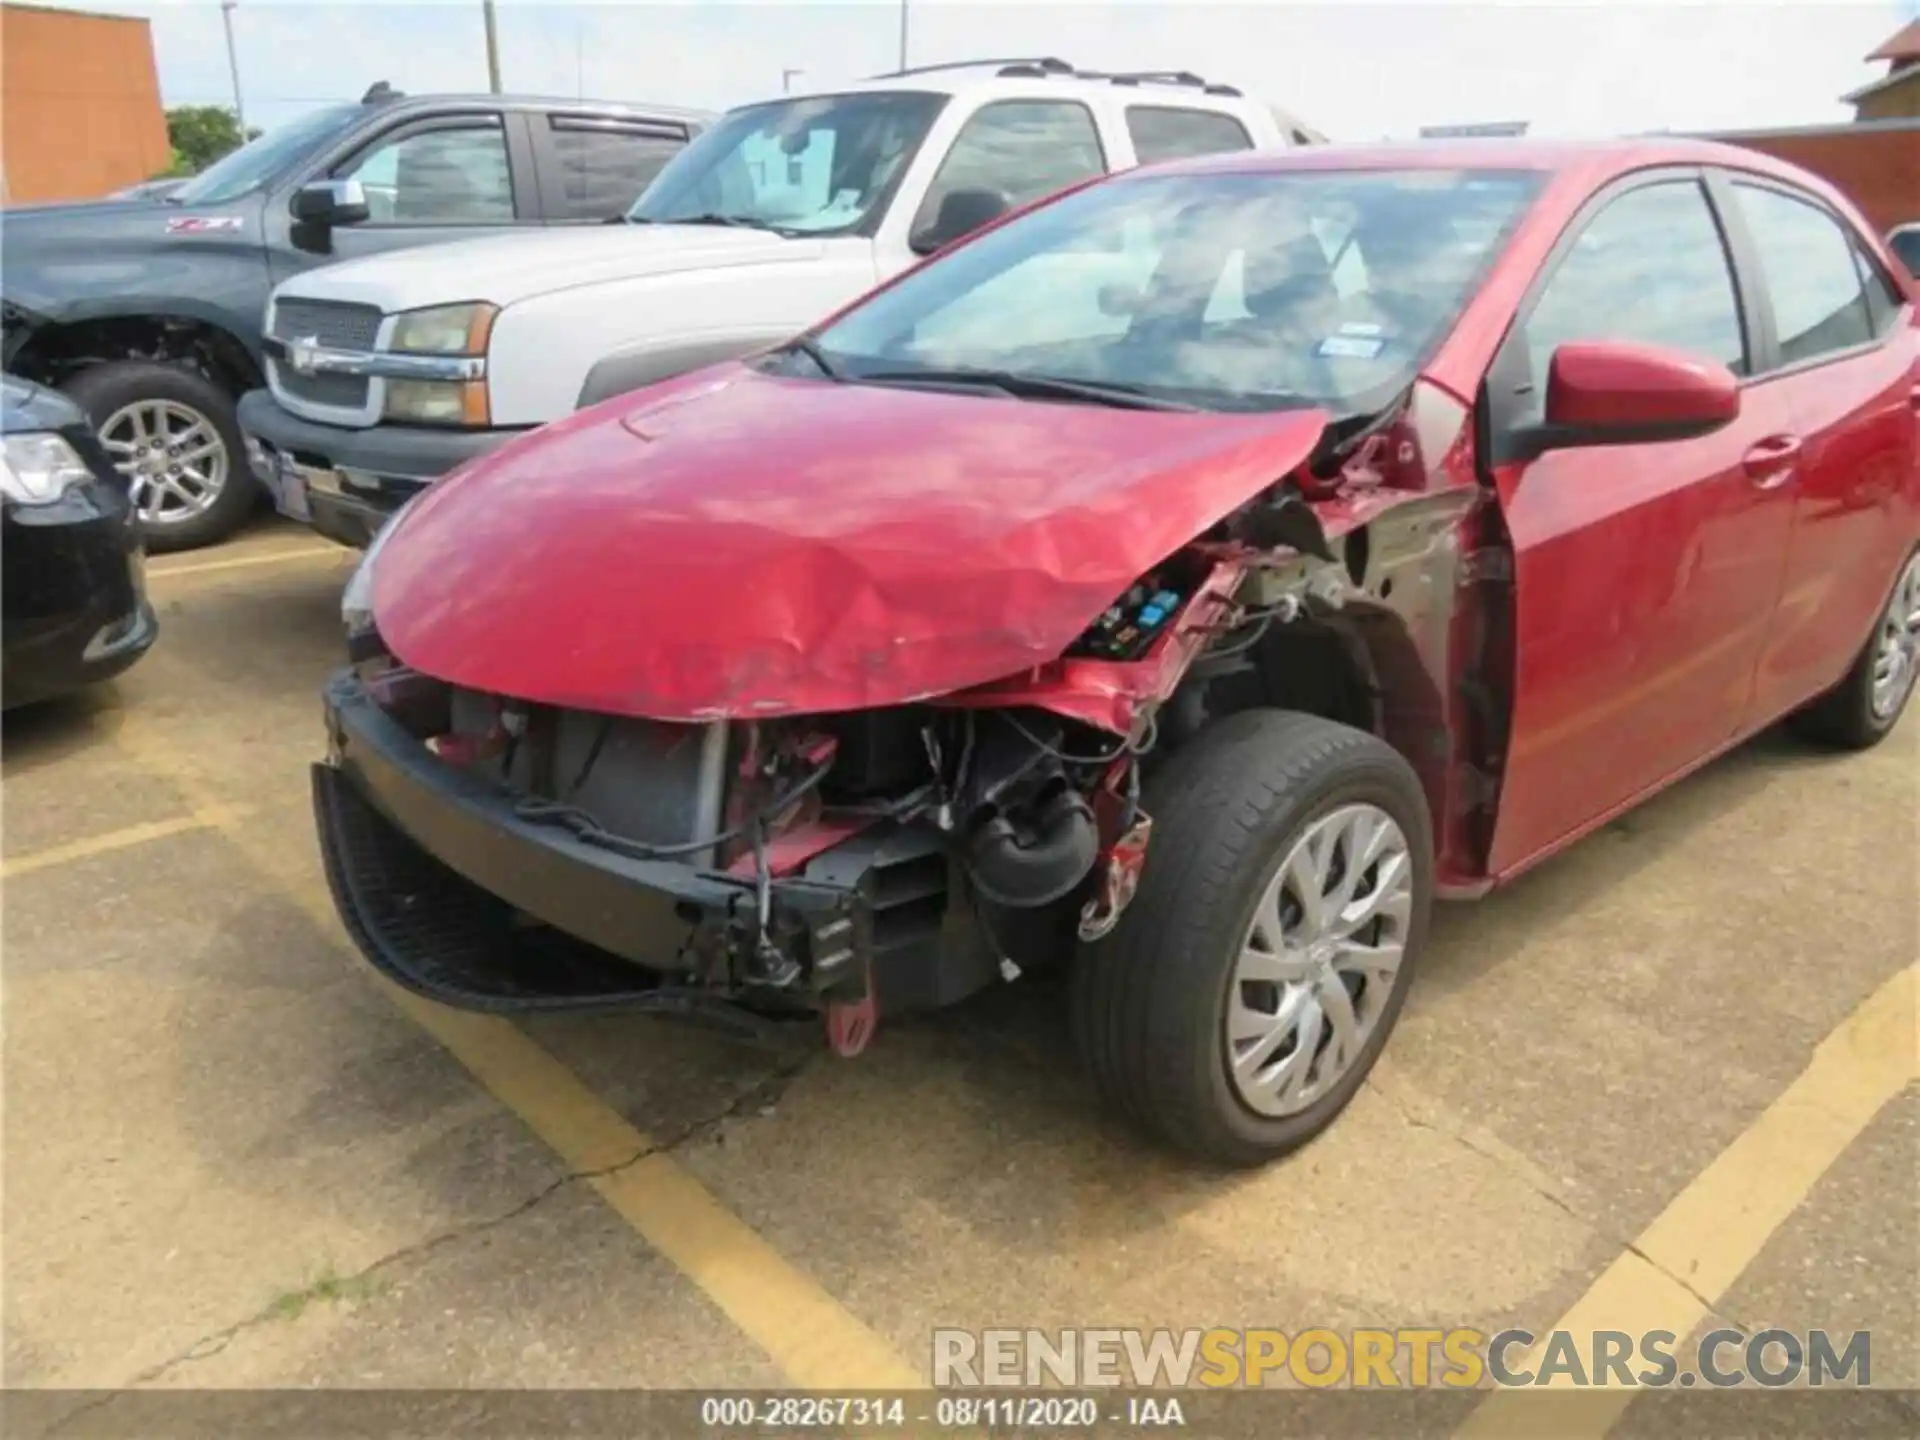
<point x="1665" y="1080"/>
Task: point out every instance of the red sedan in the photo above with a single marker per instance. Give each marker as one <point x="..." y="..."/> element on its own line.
<point x="1186" y="580"/>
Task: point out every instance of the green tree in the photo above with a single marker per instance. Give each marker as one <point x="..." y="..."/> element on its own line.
<point x="201" y="134"/>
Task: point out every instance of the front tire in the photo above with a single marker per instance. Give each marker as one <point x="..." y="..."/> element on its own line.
<point x="1252" y="983"/>
<point x="173" y="433"/>
<point x="1861" y="710"/>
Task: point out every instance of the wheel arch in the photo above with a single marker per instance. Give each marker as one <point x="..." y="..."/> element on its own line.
<point x="51" y="351"/>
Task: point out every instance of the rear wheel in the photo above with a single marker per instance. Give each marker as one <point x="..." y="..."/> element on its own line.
<point x="1252" y="983"/>
<point x="172" y="432"/>
<point x="1863" y="707"/>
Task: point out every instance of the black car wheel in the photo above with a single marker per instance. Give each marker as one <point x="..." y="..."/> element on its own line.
<point x="1253" y="981"/>
<point x="171" y="431"/>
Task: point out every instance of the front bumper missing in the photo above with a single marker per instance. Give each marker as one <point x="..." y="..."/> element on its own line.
<point x="448" y="892"/>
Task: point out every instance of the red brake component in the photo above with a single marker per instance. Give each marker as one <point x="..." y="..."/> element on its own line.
<point x="850" y="1025"/>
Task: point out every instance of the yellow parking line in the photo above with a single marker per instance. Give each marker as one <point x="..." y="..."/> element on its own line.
<point x="15" y="866"/>
<point x="1715" y="1227"/>
<point x="814" y="1340"/>
<point x="241" y="562"/>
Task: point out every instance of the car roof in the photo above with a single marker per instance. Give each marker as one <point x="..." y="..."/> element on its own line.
<point x="968" y="76"/>
<point x="636" y="109"/>
<point x="1590" y="157"/>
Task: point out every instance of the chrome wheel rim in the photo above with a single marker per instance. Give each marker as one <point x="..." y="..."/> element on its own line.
<point x="173" y="457"/>
<point x="1896" y="656"/>
<point x="1318" y="964"/>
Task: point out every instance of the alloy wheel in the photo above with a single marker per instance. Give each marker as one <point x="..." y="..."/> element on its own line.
<point x="1896" y="655"/>
<point x="1318" y="963"/>
<point x="174" y="458"/>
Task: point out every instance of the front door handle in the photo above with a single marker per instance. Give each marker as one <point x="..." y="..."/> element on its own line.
<point x="1771" y="461"/>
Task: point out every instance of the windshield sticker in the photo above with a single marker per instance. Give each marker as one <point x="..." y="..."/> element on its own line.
<point x="1360" y="327"/>
<point x="204" y="224"/>
<point x="1350" y="347"/>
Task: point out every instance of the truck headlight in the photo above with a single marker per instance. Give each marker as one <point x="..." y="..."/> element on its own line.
<point x="39" y="469"/>
<point x="438" y="402"/>
<point x="444" y="330"/>
<point x="356" y="601"/>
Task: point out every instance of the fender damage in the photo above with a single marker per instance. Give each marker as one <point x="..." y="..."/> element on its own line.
<point x="792" y="727"/>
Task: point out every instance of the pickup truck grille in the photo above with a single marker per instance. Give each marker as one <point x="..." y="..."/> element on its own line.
<point x="335" y="326"/>
<point x="344" y="392"/>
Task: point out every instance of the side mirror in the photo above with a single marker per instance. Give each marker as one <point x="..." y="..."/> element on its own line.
<point x="326" y="203"/>
<point x="961" y="213"/>
<point x="1608" y="393"/>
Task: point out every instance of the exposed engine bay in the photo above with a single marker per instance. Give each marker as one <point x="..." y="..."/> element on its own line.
<point x="976" y="834"/>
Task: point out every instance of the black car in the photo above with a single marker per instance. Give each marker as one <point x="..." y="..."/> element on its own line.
<point x="76" y="601"/>
<point x="148" y="311"/>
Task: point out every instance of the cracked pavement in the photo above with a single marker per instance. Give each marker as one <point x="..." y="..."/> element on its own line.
<point x="230" y="1161"/>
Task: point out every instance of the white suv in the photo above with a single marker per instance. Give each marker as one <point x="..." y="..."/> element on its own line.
<point x="779" y="214"/>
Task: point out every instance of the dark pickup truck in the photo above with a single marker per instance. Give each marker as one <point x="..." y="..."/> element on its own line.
<point x="148" y="312"/>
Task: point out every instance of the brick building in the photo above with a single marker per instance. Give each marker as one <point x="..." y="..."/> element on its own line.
<point x="1876" y="160"/>
<point x="1897" y="93"/>
<point x="80" y="111"/>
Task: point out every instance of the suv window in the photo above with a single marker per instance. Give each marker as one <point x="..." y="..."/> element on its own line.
<point x="1650" y="268"/>
<point x="1906" y="245"/>
<point x="1818" y="303"/>
<point x="1165" y="132"/>
<point x="447" y="175"/>
<point x="604" y="167"/>
<point x="1023" y="148"/>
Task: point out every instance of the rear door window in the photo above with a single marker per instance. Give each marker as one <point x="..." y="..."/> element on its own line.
<point x="604" y="165"/>
<point x="1819" y="304"/>
<point x="1883" y="296"/>
<point x="1167" y="132"/>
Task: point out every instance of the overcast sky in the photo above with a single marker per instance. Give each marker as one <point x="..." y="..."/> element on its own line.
<point x="1357" y="70"/>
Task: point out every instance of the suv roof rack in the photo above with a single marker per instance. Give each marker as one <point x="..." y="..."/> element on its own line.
<point x="1036" y="68"/>
<point x="1043" y="65"/>
<point x="1159" y="77"/>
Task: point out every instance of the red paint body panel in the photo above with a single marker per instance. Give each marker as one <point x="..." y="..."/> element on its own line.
<point x="735" y="544"/>
<point x="1609" y="386"/>
<point x="1644" y="582"/>
<point x="1855" y="509"/>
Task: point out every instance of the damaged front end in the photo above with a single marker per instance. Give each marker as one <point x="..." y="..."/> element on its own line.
<point x="514" y="852"/>
<point x="506" y="857"/>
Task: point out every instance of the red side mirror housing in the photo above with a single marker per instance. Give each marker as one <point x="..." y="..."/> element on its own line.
<point x="1613" y="393"/>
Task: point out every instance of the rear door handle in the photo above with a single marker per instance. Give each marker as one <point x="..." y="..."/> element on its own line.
<point x="1913" y="397"/>
<point x="1771" y="461"/>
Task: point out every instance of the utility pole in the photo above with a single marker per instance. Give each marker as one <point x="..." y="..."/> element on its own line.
<point x="233" y="67"/>
<point x="493" y="48"/>
<point x="786" y="80"/>
<point x="903" y="34"/>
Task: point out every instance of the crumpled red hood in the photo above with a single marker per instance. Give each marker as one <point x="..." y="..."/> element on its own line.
<point x="737" y="544"/>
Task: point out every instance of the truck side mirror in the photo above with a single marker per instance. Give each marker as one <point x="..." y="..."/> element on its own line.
<point x="326" y="203"/>
<point x="961" y="213"/>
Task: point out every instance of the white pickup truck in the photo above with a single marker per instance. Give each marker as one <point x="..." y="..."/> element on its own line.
<point x="387" y="372"/>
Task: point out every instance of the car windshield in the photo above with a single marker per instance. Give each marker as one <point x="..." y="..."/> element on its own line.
<point x="258" y="161"/>
<point x="1239" y="291"/>
<point x="816" y="166"/>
